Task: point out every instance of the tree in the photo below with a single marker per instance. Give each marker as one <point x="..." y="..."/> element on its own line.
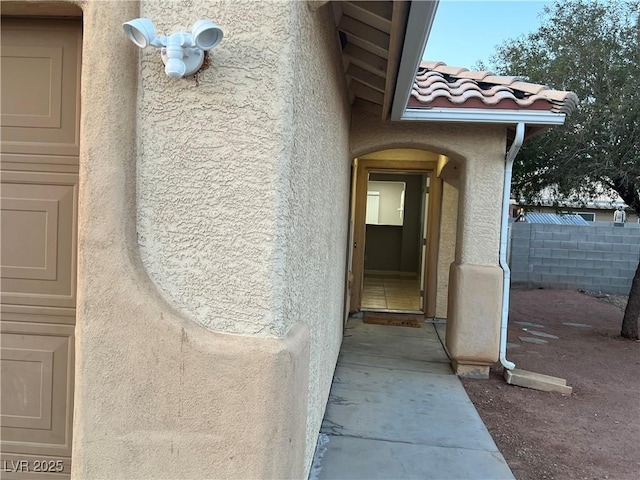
<point x="593" y="49"/>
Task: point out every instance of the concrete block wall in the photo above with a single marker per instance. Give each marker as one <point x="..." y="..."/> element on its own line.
<point x="597" y="258"/>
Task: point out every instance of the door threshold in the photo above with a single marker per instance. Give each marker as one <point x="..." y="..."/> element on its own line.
<point x="387" y="310"/>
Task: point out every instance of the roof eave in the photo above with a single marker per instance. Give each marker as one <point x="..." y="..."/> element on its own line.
<point x="419" y="22"/>
<point x="476" y="115"/>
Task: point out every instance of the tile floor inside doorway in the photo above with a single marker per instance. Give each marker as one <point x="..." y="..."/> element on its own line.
<point x="391" y="292"/>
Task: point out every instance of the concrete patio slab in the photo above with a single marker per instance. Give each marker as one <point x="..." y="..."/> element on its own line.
<point x="537" y="341"/>
<point x="530" y="324"/>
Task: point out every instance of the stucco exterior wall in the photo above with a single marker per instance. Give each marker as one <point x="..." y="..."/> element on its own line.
<point x="243" y="178"/>
<point x="157" y="395"/>
<point x="314" y="187"/>
<point x="211" y="150"/>
<point x="193" y="357"/>
<point x="447" y="248"/>
<point x="480" y="201"/>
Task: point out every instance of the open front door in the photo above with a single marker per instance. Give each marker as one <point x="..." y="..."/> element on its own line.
<point x="350" y="244"/>
<point x="423" y="230"/>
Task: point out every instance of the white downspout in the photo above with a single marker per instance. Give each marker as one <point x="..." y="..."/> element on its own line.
<point x="506" y="275"/>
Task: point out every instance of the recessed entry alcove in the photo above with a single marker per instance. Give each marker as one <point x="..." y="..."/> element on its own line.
<point x="396" y="204"/>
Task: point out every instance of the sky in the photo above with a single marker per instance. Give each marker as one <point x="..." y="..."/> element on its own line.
<point x="466" y="31"/>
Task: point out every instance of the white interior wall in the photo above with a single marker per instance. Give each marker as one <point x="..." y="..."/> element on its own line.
<point x="391" y="195"/>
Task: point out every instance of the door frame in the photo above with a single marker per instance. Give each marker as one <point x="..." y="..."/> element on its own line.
<point x="350" y="241"/>
<point x="364" y="167"/>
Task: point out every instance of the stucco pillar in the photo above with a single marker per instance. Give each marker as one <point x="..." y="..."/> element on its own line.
<point x="434" y="216"/>
<point x="475" y="281"/>
<point x="446" y="248"/>
<point x="473" y="324"/>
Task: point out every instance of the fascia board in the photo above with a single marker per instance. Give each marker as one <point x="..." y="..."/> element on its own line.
<point x="475" y="115"/>
<point x="421" y="15"/>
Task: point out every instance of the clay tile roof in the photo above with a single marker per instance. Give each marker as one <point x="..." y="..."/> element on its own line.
<point x="438" y="85"/>
<point x="478" y="75"/>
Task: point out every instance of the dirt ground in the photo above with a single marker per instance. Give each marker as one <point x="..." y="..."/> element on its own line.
<point x="593" y="433"/>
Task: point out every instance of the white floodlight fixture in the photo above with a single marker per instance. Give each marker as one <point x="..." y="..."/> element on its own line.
<point x="140" y="31"/>
<point x="206" y="34"/>
<point x="181" y="52"/>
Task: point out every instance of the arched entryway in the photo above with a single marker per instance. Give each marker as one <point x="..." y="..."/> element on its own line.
<point x="399" y="246"/>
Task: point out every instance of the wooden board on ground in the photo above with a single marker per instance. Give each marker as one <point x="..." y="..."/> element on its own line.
<point x="393" y="319"/>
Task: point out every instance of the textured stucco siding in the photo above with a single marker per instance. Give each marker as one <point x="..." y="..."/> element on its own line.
<point x="480" y="201"/>
<point x="157" y="395"/>
<point x="447" y="247"/>
<point x="314" y="188"/>
<point x="211" y="239"/>
<point x="244" y="179"/>
<point x="211" y="151"/>
<point x="209" y="207"/>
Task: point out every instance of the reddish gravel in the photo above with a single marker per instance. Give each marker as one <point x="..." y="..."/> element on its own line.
<point x="595" y="432"/>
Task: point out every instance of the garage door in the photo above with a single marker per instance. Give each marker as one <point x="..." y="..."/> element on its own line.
<point x="39" y="149"/>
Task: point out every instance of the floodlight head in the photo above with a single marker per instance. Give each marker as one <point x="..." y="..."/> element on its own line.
<point x="182" y="52"/>
<point x="140" y="31"/>
<point x="206" y="34"/>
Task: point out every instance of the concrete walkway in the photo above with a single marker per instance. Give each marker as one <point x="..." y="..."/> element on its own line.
<point x="396" y="411"/>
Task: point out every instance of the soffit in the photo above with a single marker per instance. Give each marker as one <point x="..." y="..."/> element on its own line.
<point x="371" y="36"/>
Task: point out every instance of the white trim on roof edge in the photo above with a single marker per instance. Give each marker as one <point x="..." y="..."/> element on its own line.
<point x="421" y="15"/>
<point x="479" y="115"/>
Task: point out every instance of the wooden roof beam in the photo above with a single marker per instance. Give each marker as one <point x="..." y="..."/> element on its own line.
<point x="365" y="59"/>
<point x="367" y="93"/>
<point x="366" y="77"/>
<point x="364" y="32"/>
<point x="383" y="9"/>
<point x="367" y="106"/>
<point x="375" y="19"/>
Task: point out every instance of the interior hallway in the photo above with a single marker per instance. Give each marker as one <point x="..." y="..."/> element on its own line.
<point x="390" y="292"/>
<point x="396" y="411"/>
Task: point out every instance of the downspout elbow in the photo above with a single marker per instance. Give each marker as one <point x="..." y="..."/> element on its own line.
<point x="506" y="275"/>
